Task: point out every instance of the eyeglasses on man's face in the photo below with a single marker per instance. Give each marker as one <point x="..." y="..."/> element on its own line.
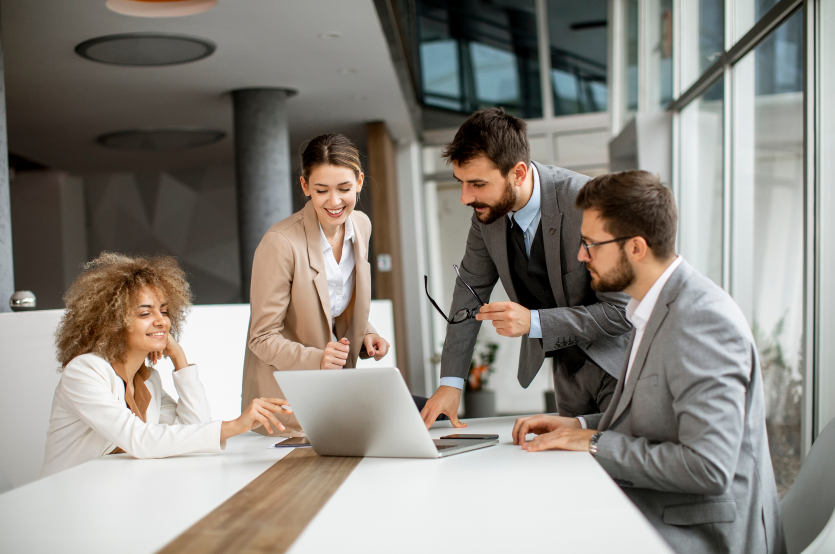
<point x="461" y="315"/>
<point x="588" y="246"/>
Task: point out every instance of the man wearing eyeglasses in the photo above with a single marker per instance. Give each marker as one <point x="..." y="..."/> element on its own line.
<point x="526" y="231"/>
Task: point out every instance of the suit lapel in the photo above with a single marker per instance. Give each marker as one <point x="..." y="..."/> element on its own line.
<point x="659" y="313"/>
<point x="495" y="239"/>
<point x="551" y="220"/>
<point x="317" y="260"/>
<point x="613" y="405"/>
<point x="360" y="305"/>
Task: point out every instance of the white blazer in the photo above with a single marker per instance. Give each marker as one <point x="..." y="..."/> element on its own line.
<point x="90" y="418"/>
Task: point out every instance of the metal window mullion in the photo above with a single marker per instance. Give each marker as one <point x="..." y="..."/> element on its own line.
<point x="727" y="176"/>
<point x="543" y="40"/>
<point x="617" y="65"/>
<point x="809" y="426"/>
<point x="644" y="55"/>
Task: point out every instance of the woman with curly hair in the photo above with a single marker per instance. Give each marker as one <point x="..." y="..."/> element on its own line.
<point x="122" y="311"/>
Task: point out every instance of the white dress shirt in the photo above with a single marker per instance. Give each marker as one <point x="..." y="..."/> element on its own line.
<point x="638" y="313"/>
<point x="527" y="218"/>
<point x="340" y="275"/>
<point x="90" y="418"/>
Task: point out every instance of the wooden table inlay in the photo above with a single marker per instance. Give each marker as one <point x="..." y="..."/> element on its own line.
<point x="272" y="511"/>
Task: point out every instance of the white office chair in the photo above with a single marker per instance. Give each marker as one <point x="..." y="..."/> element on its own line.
<point x="809" y="507"/>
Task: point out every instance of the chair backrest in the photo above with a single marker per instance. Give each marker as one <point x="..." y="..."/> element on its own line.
<point x="28" y="373"/>
<point x="808" y="509"/>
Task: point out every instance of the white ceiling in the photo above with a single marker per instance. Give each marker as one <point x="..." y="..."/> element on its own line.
<point x="57" y="102"/>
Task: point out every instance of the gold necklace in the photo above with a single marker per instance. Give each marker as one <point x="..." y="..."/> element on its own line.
<point x="342" y="228"/>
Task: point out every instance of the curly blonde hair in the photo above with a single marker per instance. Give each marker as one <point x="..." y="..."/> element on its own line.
<point x="100" y="303"/>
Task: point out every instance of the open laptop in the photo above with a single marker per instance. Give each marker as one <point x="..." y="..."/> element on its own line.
<point x="364" y="412"/>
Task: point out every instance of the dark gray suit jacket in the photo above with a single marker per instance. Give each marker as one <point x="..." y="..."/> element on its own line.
<point x="595" y="322"/>
<point x="685" y="438"/>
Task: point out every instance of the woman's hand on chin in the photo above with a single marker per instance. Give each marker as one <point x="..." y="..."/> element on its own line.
<point x="376" y="346"/>
<point x="259" y="412"/>
<point x="174" y="351"/>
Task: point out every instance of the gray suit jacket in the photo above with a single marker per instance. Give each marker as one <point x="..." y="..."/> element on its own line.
<point x="595" y="322"/>
<point x="685" y="438"/>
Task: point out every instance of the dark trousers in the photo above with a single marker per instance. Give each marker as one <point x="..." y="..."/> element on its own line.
<point x="420" y="402"/>
<point x="581" y="386"/>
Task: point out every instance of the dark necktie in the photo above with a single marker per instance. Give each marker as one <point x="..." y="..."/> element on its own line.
<point x="518" y="235"/>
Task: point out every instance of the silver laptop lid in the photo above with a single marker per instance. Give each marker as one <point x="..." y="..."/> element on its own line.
<point x="365" y="412"/>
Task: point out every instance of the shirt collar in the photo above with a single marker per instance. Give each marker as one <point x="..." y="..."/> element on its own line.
<point x="638" y="312"/>
<point x="525" y="216"/>
<point x="349" y="235"/>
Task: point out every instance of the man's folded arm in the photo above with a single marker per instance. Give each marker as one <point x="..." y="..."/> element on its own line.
<point x="605" y="318"/>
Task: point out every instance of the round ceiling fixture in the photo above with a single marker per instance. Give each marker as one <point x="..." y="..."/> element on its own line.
<point x="160" y="8"/>
<point x="145" y="49"/>
<point x="160" y="140"/>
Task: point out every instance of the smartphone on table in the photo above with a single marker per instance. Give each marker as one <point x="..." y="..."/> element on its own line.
<point x="462" y="436"/>
<point x="293" y="442"/>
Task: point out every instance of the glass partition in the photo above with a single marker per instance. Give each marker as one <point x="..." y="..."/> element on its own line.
<point x="703" y="37"/>
<point x="768" y="261"/>
<point x="701" y="197"/>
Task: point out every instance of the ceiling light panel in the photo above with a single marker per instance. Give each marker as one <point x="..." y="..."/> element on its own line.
<point x="145" y="49"/>
<point x="160" y="8"/>
<point x="160" y="140"/>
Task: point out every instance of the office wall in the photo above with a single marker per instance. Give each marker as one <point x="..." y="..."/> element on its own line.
<point x="48" y="234"/>
<point x="190" y="214"/>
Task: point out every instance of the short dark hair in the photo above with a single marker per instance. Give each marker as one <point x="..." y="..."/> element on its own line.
<point x="491" y="132"/>
<point x="634" y="204"/>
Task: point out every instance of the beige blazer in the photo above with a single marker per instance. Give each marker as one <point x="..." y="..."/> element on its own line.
<point x="290" y="324"/>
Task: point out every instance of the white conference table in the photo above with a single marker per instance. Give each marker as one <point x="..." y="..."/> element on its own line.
<point x="498" y="499"/>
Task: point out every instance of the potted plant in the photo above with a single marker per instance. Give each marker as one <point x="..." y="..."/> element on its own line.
<point x="478" y="401"/>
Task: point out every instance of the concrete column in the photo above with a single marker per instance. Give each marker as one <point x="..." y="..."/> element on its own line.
<point x="262" y="168"/>
<point x="6" y="261"/>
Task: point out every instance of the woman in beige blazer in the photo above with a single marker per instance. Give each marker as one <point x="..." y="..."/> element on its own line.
<point x="311" y="280"/>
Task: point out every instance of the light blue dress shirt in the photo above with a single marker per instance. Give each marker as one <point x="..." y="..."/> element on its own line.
<point x="528" y="219"/>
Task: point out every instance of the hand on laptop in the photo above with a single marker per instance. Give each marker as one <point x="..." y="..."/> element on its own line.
<point x="444" y="401"/>
<point x="336" y="354"/>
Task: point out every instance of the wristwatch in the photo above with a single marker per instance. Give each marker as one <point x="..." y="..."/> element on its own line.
<point x="593" y="443"/>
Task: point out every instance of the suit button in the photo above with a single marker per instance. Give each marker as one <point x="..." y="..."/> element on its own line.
<point x="552" y="231"/>
<point x="541" y="291"/>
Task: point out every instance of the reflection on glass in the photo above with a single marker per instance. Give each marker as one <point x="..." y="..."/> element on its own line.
<point x="579" y="40"/>
<point x="703" y="37"/>
<point x="664" y="53"/>
<point x="479" y="53"/>
<point x="748" y="12"/>
<point x="768" y="281"/>
<point x="701" y="197"/>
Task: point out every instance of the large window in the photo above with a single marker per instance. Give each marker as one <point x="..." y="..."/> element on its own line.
<point x="478" y="54"/>
<point x="703" y="37"/>
<point x="578" y="40"/>
<point x="702" y="186"/>
<point x="512" y="53"/>
<point x="769" y="228"/>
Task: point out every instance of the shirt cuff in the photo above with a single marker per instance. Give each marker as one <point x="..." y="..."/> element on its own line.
<point x="536" y="326"/>
<point x="456" y="382"/>
<point x="583" y="423"/>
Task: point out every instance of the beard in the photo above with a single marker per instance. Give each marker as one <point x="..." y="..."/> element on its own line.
<point x="618" y="279"/>
<point x="497" y="210"/>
